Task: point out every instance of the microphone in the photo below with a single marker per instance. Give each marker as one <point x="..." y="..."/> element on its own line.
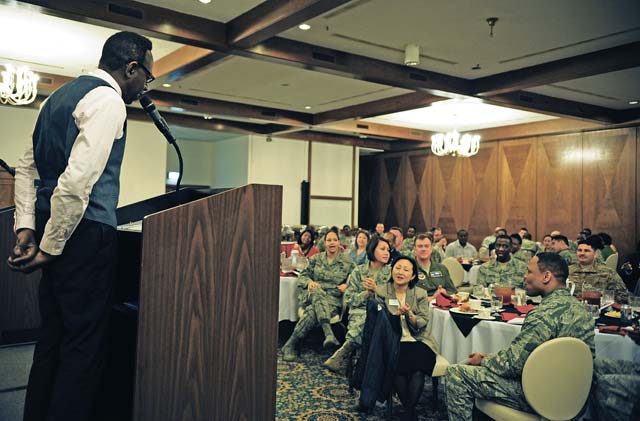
<point x="150" y="108"/>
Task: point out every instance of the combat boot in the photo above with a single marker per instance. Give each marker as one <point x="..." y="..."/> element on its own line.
<point x="339" y="360"/>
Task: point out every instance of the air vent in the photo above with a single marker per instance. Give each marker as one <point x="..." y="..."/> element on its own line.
<point x="418" y="76"/>
<point x="525" y="98"/>
<point x="126" y="11"/>
<point x="362" y="126"/>
<point x="45" y="80"/>
<point x="189" y="101"/>
<point x="323" y="57"/>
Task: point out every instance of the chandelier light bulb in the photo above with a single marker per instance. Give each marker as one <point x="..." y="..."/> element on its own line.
<point x="19" y="85"/>
<point x="451" y="143"/>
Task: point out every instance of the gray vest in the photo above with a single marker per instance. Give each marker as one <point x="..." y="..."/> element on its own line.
<point x="54" y="136"/>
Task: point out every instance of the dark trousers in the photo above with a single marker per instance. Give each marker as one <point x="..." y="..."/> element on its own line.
<point x="75" y="298"/>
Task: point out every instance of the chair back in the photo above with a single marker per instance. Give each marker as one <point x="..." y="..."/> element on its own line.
<point x="455" y="270"/>
<point x="612" y="261"/>
<point x="556" y="378"/>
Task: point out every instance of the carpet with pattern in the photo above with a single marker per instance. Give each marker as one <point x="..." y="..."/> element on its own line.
<point x="309" y="392"/>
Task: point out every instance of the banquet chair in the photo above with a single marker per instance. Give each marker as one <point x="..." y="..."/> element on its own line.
<point x="457" y="273"/>
<point x="556" y="380"/>
<point x="612" y="261"/>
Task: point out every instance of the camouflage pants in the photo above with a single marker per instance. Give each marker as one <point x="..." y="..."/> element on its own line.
<point x="465" y="383"/>
<point x="616" y="389"/>
<point x="319" y="307"/>
<point x="357" y="318"/>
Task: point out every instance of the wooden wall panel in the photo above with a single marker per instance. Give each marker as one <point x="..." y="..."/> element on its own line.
<point x="6" y="189"/>
<point x="448" y="197"/>
<point x="516" y="184"/>
<point x="559" y="186"/>
<point x="421" y="212"/>
<point x="479" y="186"/>
<point x="609" y="184"/>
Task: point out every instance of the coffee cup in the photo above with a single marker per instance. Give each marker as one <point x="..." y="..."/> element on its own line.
<point x="475" y="304"/>
<point x="485" y="313"/>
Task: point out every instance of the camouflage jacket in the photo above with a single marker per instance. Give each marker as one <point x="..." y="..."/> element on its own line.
<point x="436" y="274"/>
<point x="558" y="315"/>
<point x="407" y="246"/>
<point x="328" y="275"/>
<point x="601" y="277"/>
<point x="355" y="295"/>
<point x="569" y="256"/>
<point x="494" y="272"/>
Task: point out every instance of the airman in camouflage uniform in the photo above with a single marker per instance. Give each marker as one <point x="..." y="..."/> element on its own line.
<point x="494" y="272"/>
<point x="601" y="277"/>
<point x="320" y="304"/>
<point x="569" y="256"/>
<point x="498" y="376"/>
<point x="407" y="246"/>
<point x="484" y="247"/>
<point x="530" y="247"/>
<point x="616" y="389"/>
<point x="437" y="274"/>
<point x="355" y="297"/>
<point x="598" y="275"/>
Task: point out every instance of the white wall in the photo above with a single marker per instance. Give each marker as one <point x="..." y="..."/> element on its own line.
<point x="144" y="166"/>
<point x="230" y="162"/>
<point x="198" y="161"/>
<point x="280" y="162"/>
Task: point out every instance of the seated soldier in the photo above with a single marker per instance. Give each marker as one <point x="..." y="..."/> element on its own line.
<point x="432" y="277"/>
<point x="504" y="268"/>
<point x="598" y="275"/>
<point x="560" y="245"/>
<point x="498" y="376"/>
<point x="486" y="246"/>
<point x="461" y="247"/>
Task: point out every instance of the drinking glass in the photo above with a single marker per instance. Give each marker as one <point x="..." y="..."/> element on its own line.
<point x="478" y="291"/>
<point x="496" y="302"/>
<point x="608" y="298"/>
<point x="590" y="294"/>
<point x="503" y="291"/>
<point x="634" y="302"/>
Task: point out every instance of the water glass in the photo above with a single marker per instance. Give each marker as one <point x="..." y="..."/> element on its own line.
<point x="608" y="298"/>
<point x="634" y="302"/>
<point x="592" y="309"/>
<point x="478" y="291"/>
<point x="496" y="302"/>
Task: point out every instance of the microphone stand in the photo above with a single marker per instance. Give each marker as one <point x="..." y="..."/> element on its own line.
<point x="175" y="145"/>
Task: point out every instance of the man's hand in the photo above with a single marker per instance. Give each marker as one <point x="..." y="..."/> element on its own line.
<point x="475" y="358"/>
<point x="311" y="285"/>
<point x="342" y="287"/>
<point x="26" y="257"/>
<point x="369" y="285"/>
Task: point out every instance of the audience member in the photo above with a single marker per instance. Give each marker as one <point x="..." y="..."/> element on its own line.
<point x="529" y="246"/>
<point x="461" y="247"/>
<point x="361" y="284"/>
<point x="487" y="243"/>
<point x="439" y="245"/>
<point x="359" y="253"/>
<point x="503" y="268"/>
<point x="346" y="239"/>
<point x="379" y="230"/>
<point x="616" y="389"/>
<point x="546" y="244"/>
<point x="397" y="232"/>
<point x="322" y="283"/>
<point x="608" y="248"/>
<point x="391" y="238"/>
<point x="432" y="277"/>
<point x="408" y="243"/>
<point x="598" y="275"/>
<point x="516" y="248"/>
<point x="305" y="245"/>
<point x="416" y="357"/>
<point x="498" y="376"/>
<point x="560" y="245"/>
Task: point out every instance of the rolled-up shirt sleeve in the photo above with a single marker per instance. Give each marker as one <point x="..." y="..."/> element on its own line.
<point x="25" y="191"/>
<point x="100" y="118"/>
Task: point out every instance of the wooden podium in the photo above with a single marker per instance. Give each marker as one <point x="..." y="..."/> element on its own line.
<point x="208" y="305"/>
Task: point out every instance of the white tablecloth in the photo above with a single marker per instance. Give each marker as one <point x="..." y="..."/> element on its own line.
<point x="490" y="337"/>
<point x="471" y="277"/>
<point x="288" y="309"/>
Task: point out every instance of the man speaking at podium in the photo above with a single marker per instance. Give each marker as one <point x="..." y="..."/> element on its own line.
<point x="67" y="187"/>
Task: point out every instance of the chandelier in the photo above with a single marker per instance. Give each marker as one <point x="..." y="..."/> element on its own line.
<point x="452" y="143"/>
<point x="18" y="85"/>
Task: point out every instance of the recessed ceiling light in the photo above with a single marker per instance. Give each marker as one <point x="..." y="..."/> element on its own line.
<point x="207" y="117"/>
<point x="205" y="1"/>
<point x="633" y="102"/>
<point x="307" y="107"/>
<point x="304" y="27"/>
<point x="177" y="109"/>
<point x="166" y="85"/>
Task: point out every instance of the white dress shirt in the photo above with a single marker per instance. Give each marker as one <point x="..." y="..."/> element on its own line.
<point x="456" y="250"/>
<point x="100" y="117"/>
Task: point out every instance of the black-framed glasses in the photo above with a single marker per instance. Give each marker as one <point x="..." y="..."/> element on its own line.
<point x="150" y="77"/>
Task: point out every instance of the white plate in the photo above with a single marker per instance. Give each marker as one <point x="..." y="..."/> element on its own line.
<point x="457" y="310"/>
<point x="483" y="318"/>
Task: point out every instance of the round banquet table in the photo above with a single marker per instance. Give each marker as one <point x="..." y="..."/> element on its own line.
<point x="288" y="307"/>
<point x="491" y="337"/>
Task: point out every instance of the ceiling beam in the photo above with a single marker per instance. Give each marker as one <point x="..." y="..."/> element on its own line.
<point x="378" y="107"/>
<point x="140" y="17"/>
<point x="338" y="139"/>
<point x="183" y="61"/>
<point x="529" y="101"/>
<point x="604" y="61"/>
<point x="214" y="107"/>
<point x="365" y="128"/>
<point x="270" y="18"/>
<point x="631" y="115"/>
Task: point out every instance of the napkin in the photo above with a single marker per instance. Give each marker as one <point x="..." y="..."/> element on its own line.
<point x="506" y="316"/>
<point x="444" y="302"/>
<point x="525" y="309"/>
<point x="612" y="329"/>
